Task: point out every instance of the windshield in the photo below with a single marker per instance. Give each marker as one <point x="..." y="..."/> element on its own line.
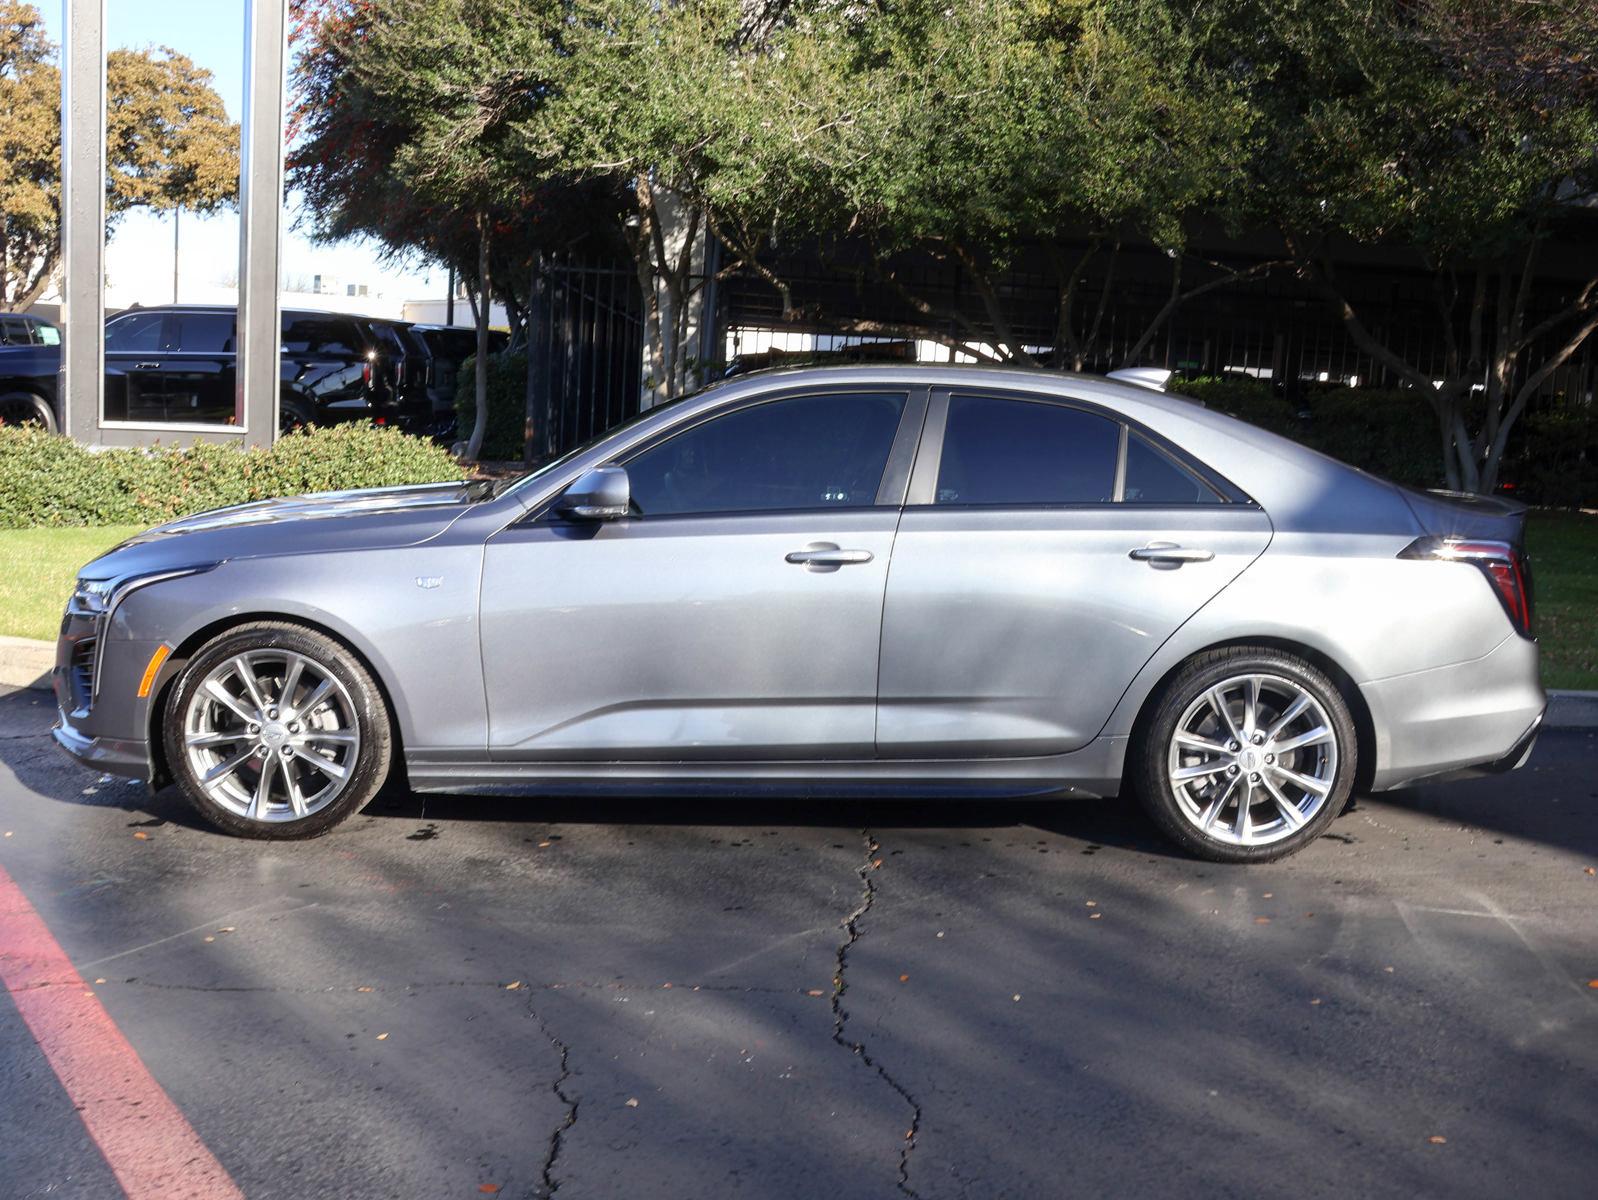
<point x="504" y="486"/>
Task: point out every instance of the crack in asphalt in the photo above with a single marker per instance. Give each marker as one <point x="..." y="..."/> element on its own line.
<point x="548" y="1183"/>
<point x="840" y="1015"/>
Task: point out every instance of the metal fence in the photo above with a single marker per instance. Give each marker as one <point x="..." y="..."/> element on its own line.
<point x="587" y="348"/>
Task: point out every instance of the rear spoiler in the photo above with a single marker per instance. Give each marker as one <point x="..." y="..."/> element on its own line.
<point x="1153" y="378"/>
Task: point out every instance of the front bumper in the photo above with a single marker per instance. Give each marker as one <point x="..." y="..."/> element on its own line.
<point x="114" y="756"/>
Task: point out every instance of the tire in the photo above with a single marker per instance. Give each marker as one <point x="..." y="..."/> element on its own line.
<point x="292" y="415"/>
<point x="1241" y="789"/>
<point x="325" y="748"/>
<point x="26" y="408"/>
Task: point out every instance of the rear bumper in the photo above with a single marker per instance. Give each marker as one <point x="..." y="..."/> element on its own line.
<point x="1460" y="721"/>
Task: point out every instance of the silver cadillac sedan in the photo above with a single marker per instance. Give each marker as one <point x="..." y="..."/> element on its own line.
<point x="894" y="580"/>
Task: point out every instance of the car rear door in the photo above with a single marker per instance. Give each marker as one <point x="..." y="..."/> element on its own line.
<point x="136" y="346"/>
<point x="1047" y="549"/>
<point x="198" y="371"/>
<point x="735" y="615"/>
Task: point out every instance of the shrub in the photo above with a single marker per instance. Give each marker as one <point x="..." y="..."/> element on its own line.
<point x="1388" y="432"/>
<point x="49" y="480"/>
<point x="507" y="406"/>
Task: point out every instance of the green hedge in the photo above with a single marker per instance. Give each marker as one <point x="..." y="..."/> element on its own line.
<point x="1552" y="456"/>
<point x="507" y="406"/>
<point x="49" y="480"/>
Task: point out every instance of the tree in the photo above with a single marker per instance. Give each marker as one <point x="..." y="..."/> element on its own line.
<point x="981" y="133"/>
<point x="169" y="144"/>
<point x="1462" y="132"/>
<point x="408" y="115"/>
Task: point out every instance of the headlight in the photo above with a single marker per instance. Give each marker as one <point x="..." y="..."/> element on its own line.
<point x="95" y="597"/>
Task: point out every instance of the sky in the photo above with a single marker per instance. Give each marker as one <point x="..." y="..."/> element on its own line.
<point x="139" y="254"/>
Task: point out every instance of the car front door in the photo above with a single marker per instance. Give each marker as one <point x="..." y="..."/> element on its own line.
<point x="735" y="614"/>
<point x="1046" y="551"/>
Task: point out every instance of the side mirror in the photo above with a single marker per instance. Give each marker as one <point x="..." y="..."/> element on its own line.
<point x="602" y="494"/>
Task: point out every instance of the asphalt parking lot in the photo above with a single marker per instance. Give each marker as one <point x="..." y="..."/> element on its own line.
<point x="474" y="996"/>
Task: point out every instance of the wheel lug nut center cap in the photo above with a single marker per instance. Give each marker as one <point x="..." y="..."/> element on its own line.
<point x="1248" y="760"/>
<point x="274" y="734"/>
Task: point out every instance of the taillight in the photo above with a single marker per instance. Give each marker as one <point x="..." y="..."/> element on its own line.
<point x="1502" y="564"/>
<point x="366" y="373"/>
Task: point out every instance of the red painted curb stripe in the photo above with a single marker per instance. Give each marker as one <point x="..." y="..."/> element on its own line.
<point x="151" y="1148"/>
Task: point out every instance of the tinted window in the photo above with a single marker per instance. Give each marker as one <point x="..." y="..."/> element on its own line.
<point x="1153" y="478"/>
<point x="206" y="333"/>
<point x="15" y="333"/>
<point x="1020" y="452"/>
<point x="804" y="452"/>
<point x="135" y="333"/>
<point x="387" y="337"/>
<point x="320" y="335"/>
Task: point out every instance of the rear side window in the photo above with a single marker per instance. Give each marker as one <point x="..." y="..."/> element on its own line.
<point x="1016" y="452"/>
<point x="205" y="333"/>
<point x="320" y="335"/>
<point x="803" y="452"/>
<point x="1152" y="477"/>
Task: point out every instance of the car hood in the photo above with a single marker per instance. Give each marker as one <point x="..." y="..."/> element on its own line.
<point x="320" y="522"/>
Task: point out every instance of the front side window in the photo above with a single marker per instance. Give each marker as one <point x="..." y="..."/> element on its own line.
<point x="138" y="333"/>
<point x="1018" y="452"/>
<point x="803" y="452"/>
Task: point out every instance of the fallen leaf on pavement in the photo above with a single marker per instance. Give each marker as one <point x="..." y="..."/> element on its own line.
<point x="1016" y="997"/>
<point x="904" y="979"/>
<point x="511" y="987"/>
<point x="209" y="938"/>
<point x="815" y="992"/>
<point x="1266" y="895"/>
<point x="363" y="989"/>
<point x="1262" y="920"/>
<point x="1437" y="1139"/>
<point x="226" y="929"/>
<point x="99" y="980"/>
<point x="1585" y="870"/>
<point x="1317" y="1000"/>
<point x="1592" y="983"/>
<point x="875" y="863"/>
<point x="633" y="1103"/>
<point x="488" y="1189"/>
<point x="382" y="1036"/>
<point x="1094" y="916"/>
<point x="543" y="845"/>
<point x="1091" y="904"/>
<point x="142" y="836"/>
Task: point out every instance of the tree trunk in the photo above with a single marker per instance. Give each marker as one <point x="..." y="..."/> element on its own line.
<point x="474" y="447"/>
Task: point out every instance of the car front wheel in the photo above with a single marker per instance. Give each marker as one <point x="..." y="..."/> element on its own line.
<point x="1249" y="755"/>
<point x="276" y="731"/>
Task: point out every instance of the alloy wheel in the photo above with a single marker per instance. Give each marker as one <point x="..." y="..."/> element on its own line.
<point x="271" y="735"/>
<point x="1252" y="760"/>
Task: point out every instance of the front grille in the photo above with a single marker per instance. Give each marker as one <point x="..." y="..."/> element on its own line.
<point x="81" y="673"/>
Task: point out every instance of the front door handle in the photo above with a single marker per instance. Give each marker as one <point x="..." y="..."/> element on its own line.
<point x="147" y="366"/>
<point x="826" y="556"/>
<point x="1169" y="553"/>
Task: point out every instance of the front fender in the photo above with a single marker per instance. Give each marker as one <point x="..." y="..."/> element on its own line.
<point x="421" y="642"/>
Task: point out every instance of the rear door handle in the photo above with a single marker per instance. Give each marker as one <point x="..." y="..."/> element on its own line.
<point x="147" y="366"/>
<point x="826" y="556"/>
<point x="1170" y="552"/>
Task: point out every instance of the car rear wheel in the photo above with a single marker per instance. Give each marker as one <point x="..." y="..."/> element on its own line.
<point x="276" y="731"/>
<point x="26" y="408"/>
<point x="1249" y="755"/>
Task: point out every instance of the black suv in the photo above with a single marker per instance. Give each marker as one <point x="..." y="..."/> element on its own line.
<point x="175" y="365"/>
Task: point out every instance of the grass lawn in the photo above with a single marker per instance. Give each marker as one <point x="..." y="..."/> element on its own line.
<point x="37" y="567"/>
<point x="1564" y="570"/>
